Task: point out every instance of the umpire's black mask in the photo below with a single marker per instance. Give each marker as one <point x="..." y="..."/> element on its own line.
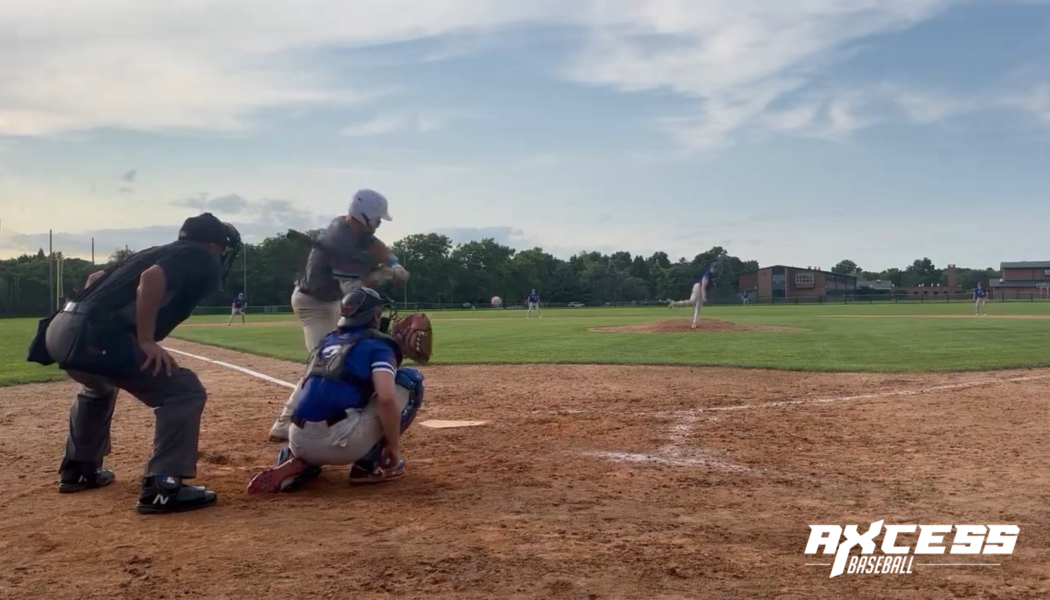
<point x="208" y="229"/>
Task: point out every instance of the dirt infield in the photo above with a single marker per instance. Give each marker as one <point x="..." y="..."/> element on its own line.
<point x="685" y="326"/>
<point x="590" y="482"/>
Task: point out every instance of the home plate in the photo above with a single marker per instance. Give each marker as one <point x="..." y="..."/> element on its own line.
<point x="438" y="424"/>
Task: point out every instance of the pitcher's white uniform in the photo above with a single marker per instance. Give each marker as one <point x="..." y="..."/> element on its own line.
<point x="698" y="296"/>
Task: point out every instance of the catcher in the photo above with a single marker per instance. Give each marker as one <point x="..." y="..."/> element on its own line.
<point x="346" y="257"/>
<point x="355" y="400"/>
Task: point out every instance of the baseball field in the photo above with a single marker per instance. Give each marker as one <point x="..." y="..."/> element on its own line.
<point x="622" y="455"/>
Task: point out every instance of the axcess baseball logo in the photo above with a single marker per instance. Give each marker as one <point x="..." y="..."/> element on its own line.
<point x="969" y="539"/>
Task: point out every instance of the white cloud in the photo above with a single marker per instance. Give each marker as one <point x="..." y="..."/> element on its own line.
<point x="1036" y="101"/>
<point x="376" y="126"/>
<point x="421" y="122"/>
<point x="210" y="65"/>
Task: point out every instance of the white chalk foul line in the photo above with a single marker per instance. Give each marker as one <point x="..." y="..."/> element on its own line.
<point x="244" y="370"/>
<point x="892" y="393"/>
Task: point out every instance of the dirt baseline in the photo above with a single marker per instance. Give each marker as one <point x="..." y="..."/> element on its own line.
<point x="589" y="482"/>
<point x="686" y="326"/>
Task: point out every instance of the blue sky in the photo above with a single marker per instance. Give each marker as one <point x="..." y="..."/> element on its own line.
<point x="797" y="131"/>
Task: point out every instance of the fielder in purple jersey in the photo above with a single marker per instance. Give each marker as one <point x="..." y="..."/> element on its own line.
<point x="980" y="298"/>
<point x="237" y="309"/>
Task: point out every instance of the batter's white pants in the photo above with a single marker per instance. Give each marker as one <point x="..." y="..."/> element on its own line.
<point x="694" y="301"/>
<point x="318" y="319"/>
<point x="346" y="442"/>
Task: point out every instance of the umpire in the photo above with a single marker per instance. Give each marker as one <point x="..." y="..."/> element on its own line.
<point x="106" y="338"/>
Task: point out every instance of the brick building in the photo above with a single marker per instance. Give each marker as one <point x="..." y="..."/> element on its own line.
<point x="780" y="281"/>
<point x="1025" y="277"/>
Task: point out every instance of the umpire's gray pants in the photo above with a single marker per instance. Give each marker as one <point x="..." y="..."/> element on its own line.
<point x="177" y="402"/>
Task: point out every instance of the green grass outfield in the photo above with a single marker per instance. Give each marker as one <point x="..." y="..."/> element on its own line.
<point x="874" y="338"/>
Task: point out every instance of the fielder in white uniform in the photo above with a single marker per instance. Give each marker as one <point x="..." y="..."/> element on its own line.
<point x="333" y="269"/>
<point x="698" y="296"/>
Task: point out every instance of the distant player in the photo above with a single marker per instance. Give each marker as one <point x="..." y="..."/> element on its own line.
<point x="534" y="302"/>
<point x="238" y="309"/>
<point x="705" y="279"/>
<point x="980" y="298"/>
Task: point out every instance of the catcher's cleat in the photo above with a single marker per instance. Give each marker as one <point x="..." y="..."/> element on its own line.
<point x="287" y="476"/>
<point x="290" y="485"/>
<point x="78" y="477"/>
<point x="361" y="476"/>
<point x="166" y="494"/>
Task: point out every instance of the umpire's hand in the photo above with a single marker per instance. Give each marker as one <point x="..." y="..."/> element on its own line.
<point x="158" y="358"/>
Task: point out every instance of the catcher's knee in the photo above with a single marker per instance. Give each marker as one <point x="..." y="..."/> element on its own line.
<point x="412" y="381"/>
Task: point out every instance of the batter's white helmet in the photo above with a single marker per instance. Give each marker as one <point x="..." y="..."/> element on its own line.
<point x="370" y="207"/>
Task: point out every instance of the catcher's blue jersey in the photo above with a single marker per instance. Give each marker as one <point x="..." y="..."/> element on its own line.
<point x="322" y="398"/>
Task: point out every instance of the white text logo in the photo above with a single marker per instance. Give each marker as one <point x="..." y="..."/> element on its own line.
<point x="968" y="539"/>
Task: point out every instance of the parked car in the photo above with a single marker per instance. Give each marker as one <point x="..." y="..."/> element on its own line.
<point x="576" y="304"/>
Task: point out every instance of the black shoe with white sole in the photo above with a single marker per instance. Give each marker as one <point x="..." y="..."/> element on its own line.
<point x="165" y="494"/>
<point x="79" y="476"/>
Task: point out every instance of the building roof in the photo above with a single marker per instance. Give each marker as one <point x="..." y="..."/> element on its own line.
<point x="797" y="269"/>
<point x="1026" y="264"/>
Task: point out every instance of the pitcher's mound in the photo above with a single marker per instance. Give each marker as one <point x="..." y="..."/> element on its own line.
<point x="685" y="326"/>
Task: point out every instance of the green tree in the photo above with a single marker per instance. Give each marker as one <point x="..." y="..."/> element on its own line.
<point x="846" y="267"/>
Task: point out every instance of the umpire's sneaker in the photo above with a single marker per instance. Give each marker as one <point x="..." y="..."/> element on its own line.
<point x="80" y="476"/>
<point x="166" y="494"/>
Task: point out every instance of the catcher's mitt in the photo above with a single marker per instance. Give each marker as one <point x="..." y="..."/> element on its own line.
<point x="415" y="336"/>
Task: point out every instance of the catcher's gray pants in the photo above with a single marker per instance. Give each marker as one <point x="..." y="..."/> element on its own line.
<point x="177" y="402"/>
<point x="349" y="440"/>
<point x="318" y="320"/>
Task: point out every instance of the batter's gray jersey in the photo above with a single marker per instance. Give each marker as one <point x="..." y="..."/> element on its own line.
<point x="344" y="252"/>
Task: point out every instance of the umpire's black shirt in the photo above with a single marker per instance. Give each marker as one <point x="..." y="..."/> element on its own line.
<point x="191" y="273"/>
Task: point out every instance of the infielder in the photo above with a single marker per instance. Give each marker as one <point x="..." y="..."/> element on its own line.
<point x="355" y="400"/>
<point x="107" y="339"/>
<point x="534" y="302"/>
<point x="237" y="309"/>
<point x="706" y="278"/>
<point x="348" y="256"/>
<point x="980" y="297"/>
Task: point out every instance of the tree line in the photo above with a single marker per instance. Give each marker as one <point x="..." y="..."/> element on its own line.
<point x="447" y="274"/>
<point x="920" y="272"/>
